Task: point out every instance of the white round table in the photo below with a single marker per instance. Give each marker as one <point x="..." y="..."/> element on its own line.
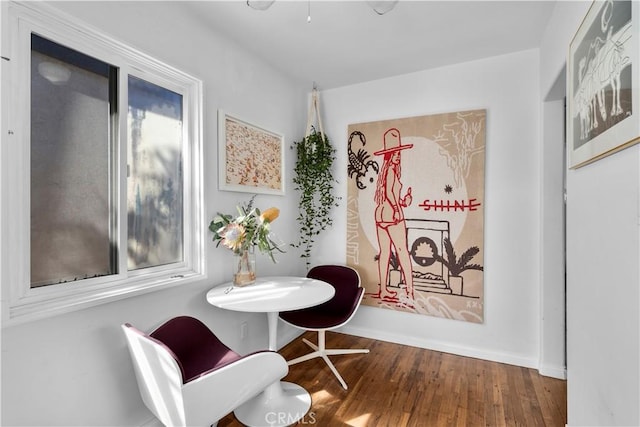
<point x="282" y="403"/>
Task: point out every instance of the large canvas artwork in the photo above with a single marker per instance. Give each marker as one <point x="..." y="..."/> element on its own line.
<point x="415" y="226"/>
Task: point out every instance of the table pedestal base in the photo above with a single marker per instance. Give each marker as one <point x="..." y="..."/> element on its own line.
<point x="281" y="404"/>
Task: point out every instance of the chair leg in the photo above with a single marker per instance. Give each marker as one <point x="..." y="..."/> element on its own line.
<point x="316" y="353"/>
<point x="305" y="358"/>
<point x="320" y="350"/>
<point x="346" y="351"/>
<point x="335" y="371"/>
<point x="310" y="344"/>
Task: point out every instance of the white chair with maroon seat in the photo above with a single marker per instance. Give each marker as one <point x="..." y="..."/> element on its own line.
<point x="329" y="315"/>
<point x="188" y="377"/>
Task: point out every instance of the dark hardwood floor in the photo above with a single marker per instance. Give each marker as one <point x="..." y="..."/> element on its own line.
<point x="396" y="385"/>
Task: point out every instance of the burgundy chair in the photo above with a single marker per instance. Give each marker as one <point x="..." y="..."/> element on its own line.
<point x="330" y="315"/>
<point x="188" y="377"/>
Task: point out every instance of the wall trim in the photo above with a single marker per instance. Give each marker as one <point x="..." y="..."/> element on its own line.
<point x="553" y="371"/>
<point x="287" y="335"/>
<point x="492" y="356"/>
<point x="152" y="422"/>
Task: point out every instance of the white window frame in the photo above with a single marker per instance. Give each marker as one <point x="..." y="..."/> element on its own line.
<point x="19" y="301"/>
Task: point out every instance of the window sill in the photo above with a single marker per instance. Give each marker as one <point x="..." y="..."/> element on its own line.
<point x="29" y="309"/>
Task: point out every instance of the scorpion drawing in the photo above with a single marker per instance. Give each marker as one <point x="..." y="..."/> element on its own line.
<point x="359" y="163"/>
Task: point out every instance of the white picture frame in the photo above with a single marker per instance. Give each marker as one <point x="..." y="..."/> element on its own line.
<point x="250" y="158"/>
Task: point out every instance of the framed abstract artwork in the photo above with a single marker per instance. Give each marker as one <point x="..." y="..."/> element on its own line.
<point x="250" y="158"/>
<point x="603" y="110"/>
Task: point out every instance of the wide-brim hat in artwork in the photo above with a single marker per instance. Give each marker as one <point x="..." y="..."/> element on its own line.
<point x="392" y="142"/>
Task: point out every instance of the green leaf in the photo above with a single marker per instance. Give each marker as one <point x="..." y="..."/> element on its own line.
<point x="314" y="180"/>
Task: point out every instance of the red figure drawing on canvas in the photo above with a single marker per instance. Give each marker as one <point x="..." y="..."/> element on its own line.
<point x="389" y="216"/>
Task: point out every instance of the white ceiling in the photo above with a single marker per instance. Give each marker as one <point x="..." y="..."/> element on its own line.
<point x="346" y="42"/>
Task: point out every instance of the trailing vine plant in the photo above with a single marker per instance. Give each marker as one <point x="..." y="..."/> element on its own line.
<point x="314" y="180"/>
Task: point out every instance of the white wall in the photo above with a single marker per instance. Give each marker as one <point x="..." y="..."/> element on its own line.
<point x="603" y="325"/>
<point x="74" y="369"/>
<point x="603" y="261"/>
<point x="507" y="87"/>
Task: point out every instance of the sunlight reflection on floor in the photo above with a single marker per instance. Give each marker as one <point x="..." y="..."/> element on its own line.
<point x="360" y="421"/>
<point x="324" y="396"/>
<point x="319" y="396"/>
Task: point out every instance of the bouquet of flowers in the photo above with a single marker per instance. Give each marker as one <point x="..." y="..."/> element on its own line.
<point x="250" y="228"/>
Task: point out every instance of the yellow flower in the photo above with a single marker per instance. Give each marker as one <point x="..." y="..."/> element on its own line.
<point x="232" y="236"/>
<point x="246" y="230"/>
<point x="270" y="215"/>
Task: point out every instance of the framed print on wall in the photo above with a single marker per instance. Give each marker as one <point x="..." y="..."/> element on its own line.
<point x="603" y="110"/>
<point x="250" y="158"/>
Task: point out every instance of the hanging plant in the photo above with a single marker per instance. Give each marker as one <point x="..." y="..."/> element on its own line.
<point x="314" y="180"/>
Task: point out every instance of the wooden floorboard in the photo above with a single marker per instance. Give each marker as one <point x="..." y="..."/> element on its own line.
<point x="396" y="385"/>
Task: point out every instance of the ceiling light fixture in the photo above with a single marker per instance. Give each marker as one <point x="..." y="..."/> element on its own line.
<point x="380" y="7"/>
<point x="260" y="4"/>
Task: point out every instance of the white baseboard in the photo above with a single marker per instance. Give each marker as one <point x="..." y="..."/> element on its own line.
<point x="286" y="334"/>
<point x="553" y="371"/>
<point x="153" y="422"/>
<point x="500" y="357"/>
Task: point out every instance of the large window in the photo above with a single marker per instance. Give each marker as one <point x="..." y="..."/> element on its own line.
<point x="154" y="189"/>
<point x="101" y="183"/>
<point x="73" y="112"/>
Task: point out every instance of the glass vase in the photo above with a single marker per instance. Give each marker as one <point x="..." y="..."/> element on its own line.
<point x="245" y="268"/>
